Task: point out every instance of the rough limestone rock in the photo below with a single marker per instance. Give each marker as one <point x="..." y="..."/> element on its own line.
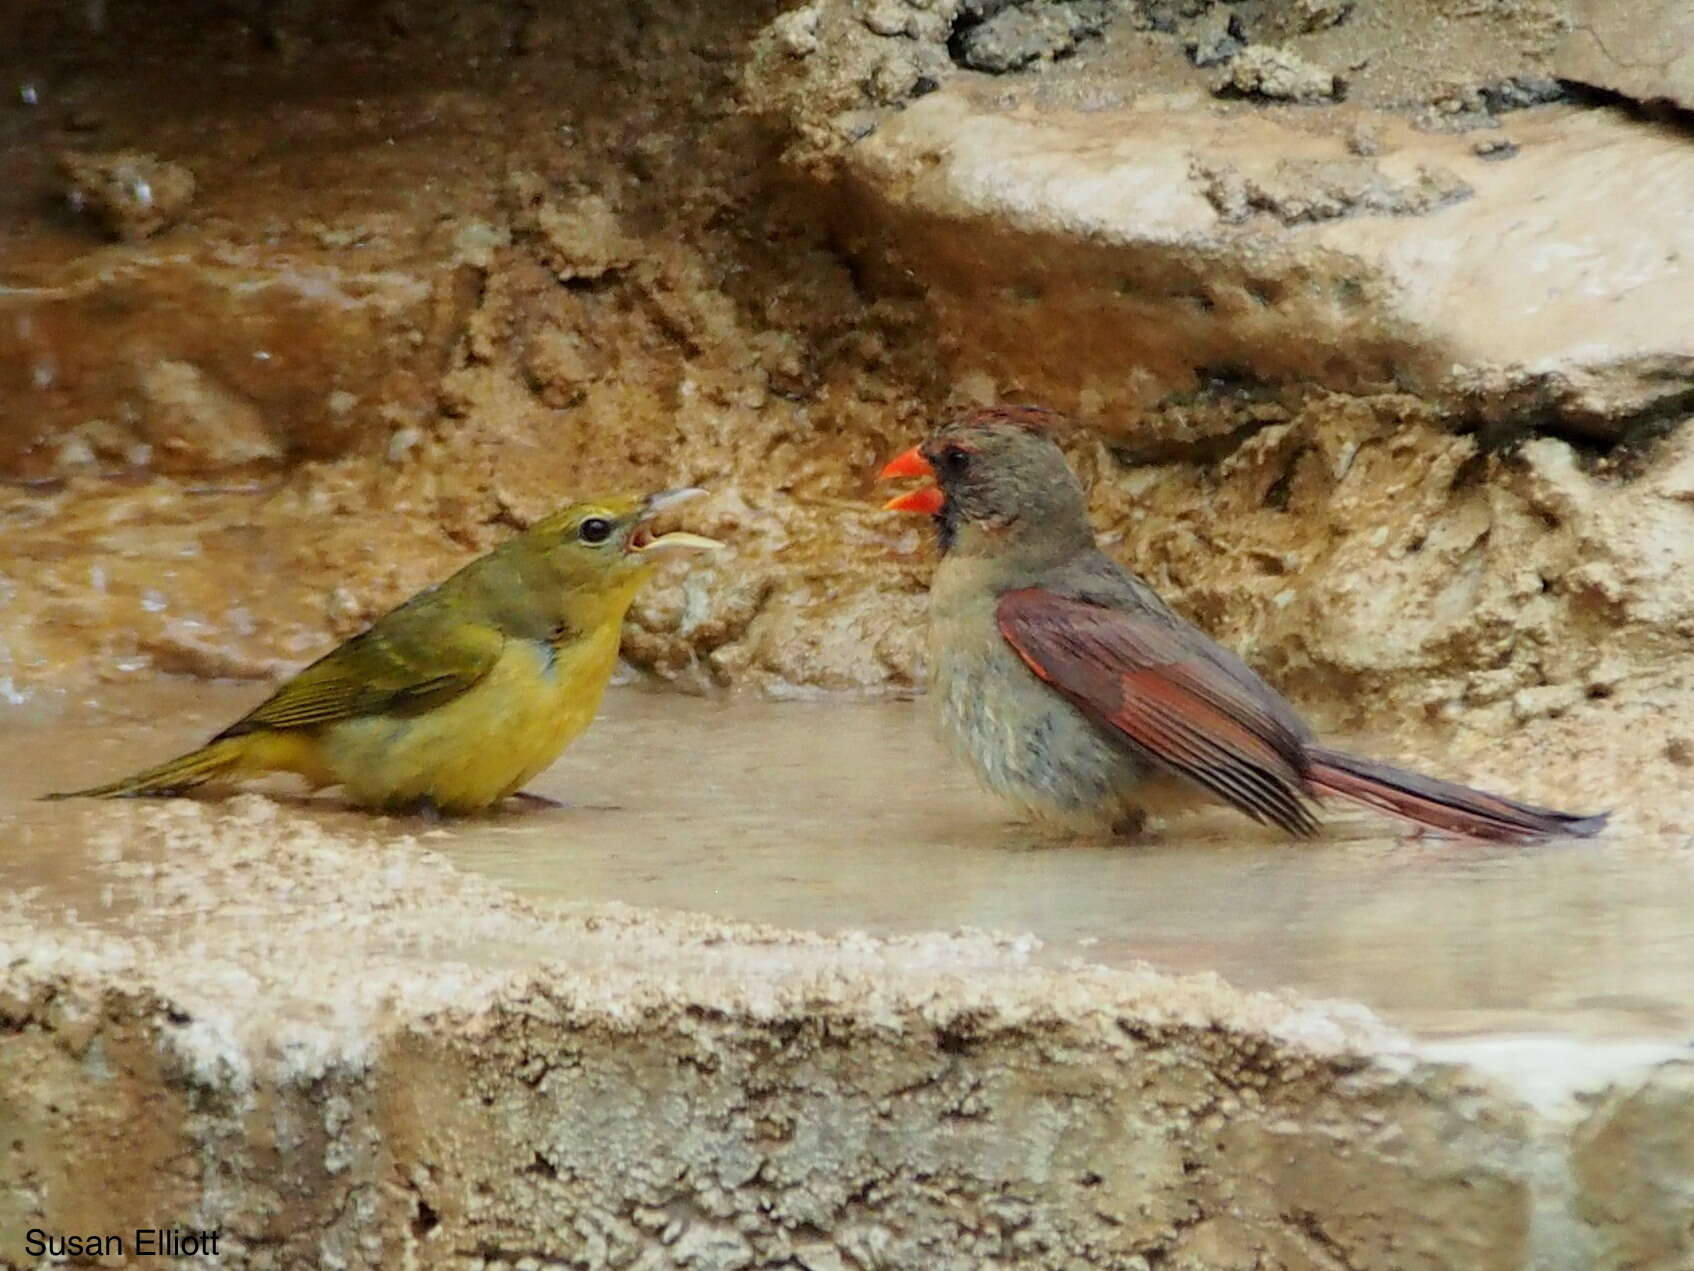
<point x="132" y="195"/>
<point x="1263" y="70"/>
<point x="1107" y="259"/>
<point x="833" y="68"/>
<point x="1643" y="50"/>
<point x="456" y="1077"/>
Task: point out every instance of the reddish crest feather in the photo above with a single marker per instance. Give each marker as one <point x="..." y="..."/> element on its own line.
<point x="1036" y="419"/>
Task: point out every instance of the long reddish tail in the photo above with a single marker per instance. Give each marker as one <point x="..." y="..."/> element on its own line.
<point x="1441" y="805"/>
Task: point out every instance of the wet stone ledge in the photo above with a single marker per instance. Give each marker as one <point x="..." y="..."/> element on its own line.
<point x="453" y="1077"/>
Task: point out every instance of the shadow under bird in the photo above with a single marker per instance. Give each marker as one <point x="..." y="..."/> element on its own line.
<point x="1078" y="694"/>
<point x="454" y="700"/>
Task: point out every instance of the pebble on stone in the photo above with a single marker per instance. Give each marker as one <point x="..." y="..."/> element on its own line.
<point x="133" y="195"/>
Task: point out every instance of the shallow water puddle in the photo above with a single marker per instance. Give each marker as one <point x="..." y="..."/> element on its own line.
<point x="846" y="816"/>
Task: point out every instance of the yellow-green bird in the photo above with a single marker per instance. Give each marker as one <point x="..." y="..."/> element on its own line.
<point x="455" y="699"/>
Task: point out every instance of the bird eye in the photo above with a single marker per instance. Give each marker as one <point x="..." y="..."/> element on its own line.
<point x="596" y="529"/>
<point x="955" y="460"/>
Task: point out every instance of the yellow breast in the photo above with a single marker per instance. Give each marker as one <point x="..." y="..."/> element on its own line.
<point x="482" y="745"/>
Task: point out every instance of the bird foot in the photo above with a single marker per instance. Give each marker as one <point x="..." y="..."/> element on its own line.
<point x="424" y="808"/>
<point x="1131" y="825"/>
<point x="538" y="800"/>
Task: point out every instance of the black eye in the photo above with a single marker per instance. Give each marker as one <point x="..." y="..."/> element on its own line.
<point x="596" y="529"/>
<point x="954" y="460"/>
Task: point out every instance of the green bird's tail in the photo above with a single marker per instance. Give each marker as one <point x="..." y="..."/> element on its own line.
<point x="172" y="777"/>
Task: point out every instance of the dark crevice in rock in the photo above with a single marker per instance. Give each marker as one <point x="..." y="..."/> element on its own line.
<point x="1205" y="452"/>
<point x="424" y="1218"/>
<point x="1307" y="1224"/>
<point x="1277" y="493"/>
<point x="1654" y="110"/>
<point x="541" y="1167"/>
<point x="1621" y="449"/>
<point x="958" y="39"/>
<point x="1637" y="443"/>
<point x="1224" y="381"/>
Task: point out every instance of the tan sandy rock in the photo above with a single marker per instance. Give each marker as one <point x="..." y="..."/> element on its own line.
<point x="1264" y="70"/>
<point x="131" y="194"/>
<point x="1106" y="223"/>
<point x="1643" y="50"/>
<point x="454" y="1070"/>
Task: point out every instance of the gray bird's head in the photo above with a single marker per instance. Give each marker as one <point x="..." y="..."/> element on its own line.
<point x="1002" y="485"/>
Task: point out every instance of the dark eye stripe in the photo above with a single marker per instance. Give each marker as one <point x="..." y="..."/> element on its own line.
<point x="596" y="529"/>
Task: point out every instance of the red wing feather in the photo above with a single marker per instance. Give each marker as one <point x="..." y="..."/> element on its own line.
<point x="1146" y="680"/>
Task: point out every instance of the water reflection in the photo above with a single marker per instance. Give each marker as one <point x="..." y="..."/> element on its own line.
<point x="850" y="816"/>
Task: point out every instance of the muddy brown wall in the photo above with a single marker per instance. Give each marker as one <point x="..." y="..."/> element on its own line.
<point x="443" y="270"/>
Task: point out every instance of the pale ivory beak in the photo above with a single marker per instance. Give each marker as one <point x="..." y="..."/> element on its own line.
<point x="676" y="540"/>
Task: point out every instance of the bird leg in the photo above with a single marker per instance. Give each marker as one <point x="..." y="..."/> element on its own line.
<point x="426" y="809"/>
<point x="1130" y="824"/>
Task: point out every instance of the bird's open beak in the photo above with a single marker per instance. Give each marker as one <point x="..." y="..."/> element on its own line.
<point x="926" y="500"/>
<point x="645" y="542"/>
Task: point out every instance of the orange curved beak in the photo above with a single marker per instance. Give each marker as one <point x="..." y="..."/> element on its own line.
<point x="925" y="500"/>
<point x="908" y="463"/>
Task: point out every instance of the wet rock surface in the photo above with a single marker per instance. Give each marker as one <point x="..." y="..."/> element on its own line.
<point x="459" y="1077"/>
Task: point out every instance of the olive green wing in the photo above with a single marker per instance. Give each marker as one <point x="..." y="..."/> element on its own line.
<point x="410" y="661"/>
